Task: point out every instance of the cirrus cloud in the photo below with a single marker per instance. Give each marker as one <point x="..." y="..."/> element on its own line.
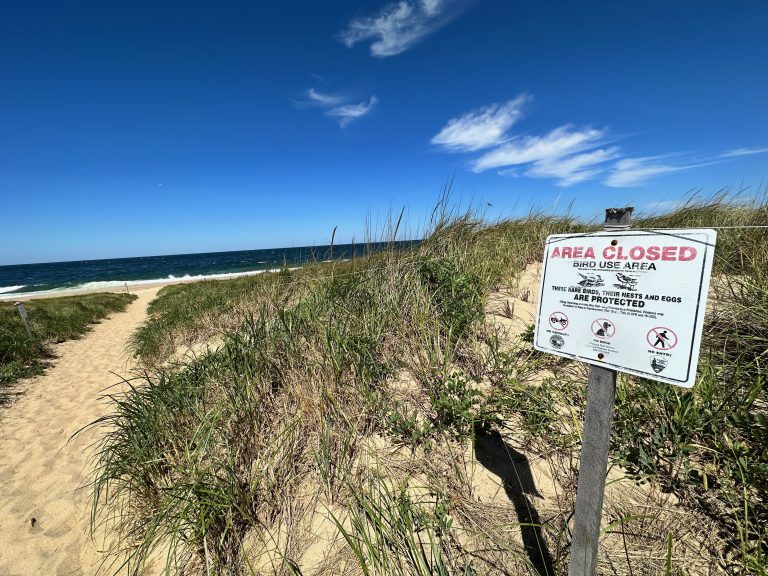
<point x="337" y="105"/>
<point x="481" y="128"/>
<point x="574" y="169"/>
<point x="323" y="99"/>
<point x="557" y="144"/>
<point x="743" y="152"/>
<point x="567" y="154"/>
<point x="348" y="113"/>
<point x="629" y="172"/>
<point x="400" y="25"/>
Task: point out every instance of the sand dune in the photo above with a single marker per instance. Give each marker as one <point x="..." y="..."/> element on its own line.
<point x="44" y="507"/>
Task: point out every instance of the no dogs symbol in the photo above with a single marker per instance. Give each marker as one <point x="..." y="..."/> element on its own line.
<point x="603" y="328"/>
<point x="661" y="338"/>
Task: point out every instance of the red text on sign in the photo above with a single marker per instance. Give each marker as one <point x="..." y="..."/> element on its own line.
<point x="650" y="253"/>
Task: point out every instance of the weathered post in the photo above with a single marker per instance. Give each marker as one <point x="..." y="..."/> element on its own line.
<point x="596" y="439"/>
<point x="23" y="314"/>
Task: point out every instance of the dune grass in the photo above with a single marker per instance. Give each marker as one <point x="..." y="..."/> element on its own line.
<point x="51" y="320"/>
<point x="359" y="398"/>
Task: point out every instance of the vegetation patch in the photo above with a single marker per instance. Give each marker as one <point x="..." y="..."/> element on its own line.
<point x="383" y="394"/>
<point x="51" y="321"/>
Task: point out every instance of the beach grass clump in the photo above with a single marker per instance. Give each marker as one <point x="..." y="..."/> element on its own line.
<point x="51" y="321"/>
<point x="391" y="532"/>
<point x="197" y="456"/>
<point x="317" y="379"/>
<point x="187" y="312"/>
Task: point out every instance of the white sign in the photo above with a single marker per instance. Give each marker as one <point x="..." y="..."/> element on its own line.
<point x="632" y="301"/>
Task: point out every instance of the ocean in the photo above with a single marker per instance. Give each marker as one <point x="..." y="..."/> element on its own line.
<point x="58" y="278"/>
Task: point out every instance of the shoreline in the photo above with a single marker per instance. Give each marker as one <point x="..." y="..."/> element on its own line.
<point x="132" y="287"/>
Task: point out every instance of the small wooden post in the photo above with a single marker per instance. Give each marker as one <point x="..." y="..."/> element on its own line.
<point x="23" y="314"/>
<point x="596" y="440"/>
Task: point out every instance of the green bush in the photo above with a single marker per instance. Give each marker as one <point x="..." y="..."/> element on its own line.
<point x="457" y="293"/>
<point x="408" y="427"/>
<point x="459" y="408"/>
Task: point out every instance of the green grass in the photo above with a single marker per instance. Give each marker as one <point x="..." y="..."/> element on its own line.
<point x="212" y="451"/>
<point x="51" y="320"/>
<point x="321" y="371"/>
<point x="391" y="533"/>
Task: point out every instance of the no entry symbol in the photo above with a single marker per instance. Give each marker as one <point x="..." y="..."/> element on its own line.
<point x="603" y="328"/>
<point x="661" y="338"/>
<point x="558" y="321"/>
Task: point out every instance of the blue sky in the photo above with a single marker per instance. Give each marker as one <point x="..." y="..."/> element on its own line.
<point x="137" y="128"/>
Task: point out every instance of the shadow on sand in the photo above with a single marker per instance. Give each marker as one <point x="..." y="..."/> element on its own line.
<point x="514" y="471"/>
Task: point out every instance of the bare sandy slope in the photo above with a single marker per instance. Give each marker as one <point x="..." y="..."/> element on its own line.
<point x="43" y="505"/>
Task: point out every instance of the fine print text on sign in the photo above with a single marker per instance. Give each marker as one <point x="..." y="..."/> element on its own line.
<point x="632" y="301"/>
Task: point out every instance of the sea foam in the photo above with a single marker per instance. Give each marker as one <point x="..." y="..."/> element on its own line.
<point x="116" y="284"/>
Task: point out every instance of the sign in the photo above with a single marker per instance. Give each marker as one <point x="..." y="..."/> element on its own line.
<point x="22" y="311"/>
<point x="631" y="301"/>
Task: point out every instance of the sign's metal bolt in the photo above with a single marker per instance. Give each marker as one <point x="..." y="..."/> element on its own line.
<point x="614" y="242"/>
<point x="600" y="356"/>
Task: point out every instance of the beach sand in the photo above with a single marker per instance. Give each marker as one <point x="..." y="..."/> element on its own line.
<point x="44" y="508"/>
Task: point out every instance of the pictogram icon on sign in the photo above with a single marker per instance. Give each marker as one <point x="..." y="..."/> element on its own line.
<point x="658" y="364"/>
<point x="603" y="328"/>
<point x="661" y="338"/>
<point x="557" y="341"/>
<point x="558" y="321"/>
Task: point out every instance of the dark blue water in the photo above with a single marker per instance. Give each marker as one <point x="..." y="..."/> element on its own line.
<point x="94" y="274"/>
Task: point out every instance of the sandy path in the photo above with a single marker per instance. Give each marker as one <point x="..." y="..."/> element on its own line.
<point x="41" y="470"/>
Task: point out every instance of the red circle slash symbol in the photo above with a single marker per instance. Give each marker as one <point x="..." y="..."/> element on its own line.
<point x="603" y="328"/>
<point x="558" y="321"/>
<point x="661" y="338"/>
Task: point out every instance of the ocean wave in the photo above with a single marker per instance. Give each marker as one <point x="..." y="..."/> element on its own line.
<point x="4" y="289"/>
<point x="117" y="284"/>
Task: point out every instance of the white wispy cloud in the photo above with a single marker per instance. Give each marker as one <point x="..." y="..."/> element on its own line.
<point x="743" y="152"/>
<point x="559" y="143"/>
<point x="336" y="105"/>
<point x="322" y="99"/>
<point x="630" y="172"/>
<point x="399" y="25"/>
<point x="568" y="154"/>
<point x="574" y="169"/>
<point x="348" y="113"/>
<point x="481" y="128"/>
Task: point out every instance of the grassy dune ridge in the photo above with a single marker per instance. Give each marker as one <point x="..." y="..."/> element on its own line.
<point x="357" y="400"/>
<point x="51" y="320"/>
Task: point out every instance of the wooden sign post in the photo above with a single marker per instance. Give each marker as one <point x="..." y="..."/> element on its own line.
<point x="23" y="314"/>
<point x="593" y="463"/>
